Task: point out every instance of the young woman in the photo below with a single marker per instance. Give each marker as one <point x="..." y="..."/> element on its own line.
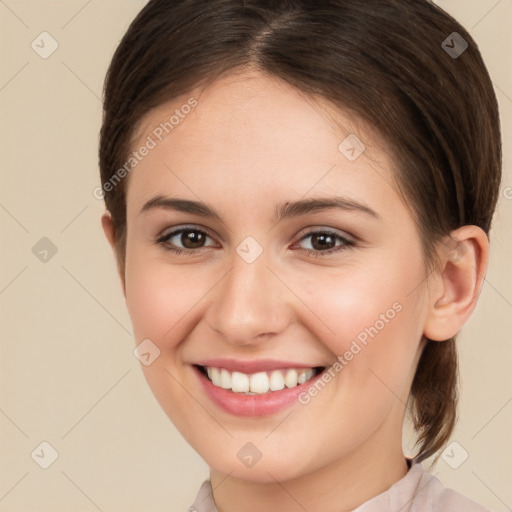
<point x="299" y="196"/>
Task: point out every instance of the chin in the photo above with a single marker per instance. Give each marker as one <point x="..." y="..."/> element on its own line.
<point x="268" y="469"/>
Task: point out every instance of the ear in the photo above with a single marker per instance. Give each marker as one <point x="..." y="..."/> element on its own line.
<point x="456" y="287"/>
<point x="110" y="234"/>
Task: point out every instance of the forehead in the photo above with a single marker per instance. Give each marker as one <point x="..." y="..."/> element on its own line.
<point x="257" y="136"/>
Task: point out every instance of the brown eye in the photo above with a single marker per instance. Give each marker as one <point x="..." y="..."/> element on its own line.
<point x="322" y="241"/>
<point x="325" y="242"/>
<point x="185" y="239"/>
<point x="192" y="239"/>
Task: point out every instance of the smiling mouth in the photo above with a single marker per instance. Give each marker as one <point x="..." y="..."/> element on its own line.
<point x="261" y="382"/>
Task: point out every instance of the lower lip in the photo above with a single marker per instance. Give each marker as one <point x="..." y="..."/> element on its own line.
<point x="240" y="404"/>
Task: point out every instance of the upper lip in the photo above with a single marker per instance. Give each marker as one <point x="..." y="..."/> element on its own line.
<point x="253" y="366"/>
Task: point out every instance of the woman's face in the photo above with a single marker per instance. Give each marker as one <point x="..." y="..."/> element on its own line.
<point x="269" y="282"/>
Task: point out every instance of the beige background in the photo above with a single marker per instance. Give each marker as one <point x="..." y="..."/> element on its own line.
<point x="67" y="372"/>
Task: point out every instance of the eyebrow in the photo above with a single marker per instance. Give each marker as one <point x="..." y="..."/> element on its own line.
<point x="283" y="211"/>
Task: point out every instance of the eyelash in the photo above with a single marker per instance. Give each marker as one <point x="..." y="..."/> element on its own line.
<point x="346" y="245"/>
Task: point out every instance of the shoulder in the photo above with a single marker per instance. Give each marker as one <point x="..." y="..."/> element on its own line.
<point x="433" y="496"/>
<point x="420" y="491"/>
<point x="204" y="499"/>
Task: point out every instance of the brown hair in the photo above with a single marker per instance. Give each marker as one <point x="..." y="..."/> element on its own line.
<point x="381" y="60"/>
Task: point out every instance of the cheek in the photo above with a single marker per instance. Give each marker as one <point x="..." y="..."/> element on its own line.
<point x="158" y="297"/>
<point x="355" y="303"/>
<point x="368" y="317"/>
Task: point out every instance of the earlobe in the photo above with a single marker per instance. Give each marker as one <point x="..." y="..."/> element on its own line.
<point x="455" y="289"/>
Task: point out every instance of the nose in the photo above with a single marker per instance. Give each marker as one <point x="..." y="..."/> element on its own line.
<point x="250" y="303"/>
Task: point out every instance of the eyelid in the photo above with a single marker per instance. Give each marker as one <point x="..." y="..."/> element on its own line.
<point x="324" y="229"/>
<point x="167" y="233"/>
<point x="347" y="241"/>
<point x="183" y="227"/>
<point x="302" y="234"/>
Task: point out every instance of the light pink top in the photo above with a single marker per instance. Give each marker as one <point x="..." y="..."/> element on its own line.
<point x="417" y="491"/>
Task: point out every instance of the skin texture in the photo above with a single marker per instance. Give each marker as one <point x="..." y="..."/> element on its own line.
<point x="252" y="143"/>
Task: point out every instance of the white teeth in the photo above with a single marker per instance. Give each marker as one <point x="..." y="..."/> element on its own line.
<point x="291" y="378"/>
<point x="258" y="383"/>
<point x="276" y="381"/>
<point x="239" y="382"/>
<point x="224" y="379"/>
